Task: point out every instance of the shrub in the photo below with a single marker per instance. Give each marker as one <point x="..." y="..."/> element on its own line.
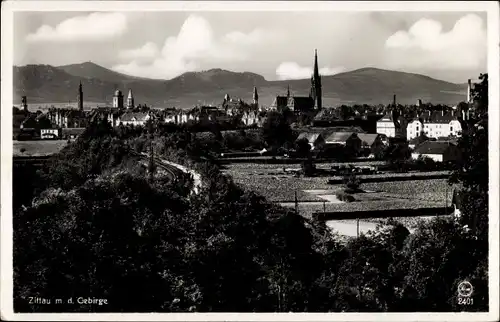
<point x="352" y="183"/>
<point x="343" y="196"/>
<point x="308" y="168"/>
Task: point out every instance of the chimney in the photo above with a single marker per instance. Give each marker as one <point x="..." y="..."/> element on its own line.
<point x="394" y="100"/>
<point x="469" y="88"/>
<point x="24" y="102"/>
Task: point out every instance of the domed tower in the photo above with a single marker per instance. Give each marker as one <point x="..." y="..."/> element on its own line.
<point x="130" y="99"/>
<point x="118" y="99"/>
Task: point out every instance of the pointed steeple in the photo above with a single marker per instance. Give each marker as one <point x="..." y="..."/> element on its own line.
<point x="255" y="96"/>
<point x="288" y="91"/>
<point x="130" y="99"/>
<point x="316" y="68"/>
<point x="316" y="83"/>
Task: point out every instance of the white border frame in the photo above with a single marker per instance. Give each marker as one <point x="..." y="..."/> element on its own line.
<point x="9" y="7"/>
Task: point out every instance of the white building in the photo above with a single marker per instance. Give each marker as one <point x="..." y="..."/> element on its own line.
<point x="135" y="119"/>
<point x="386" y="126"/>
<point x="180" y="117"/>
<point x="437" y="124"/>
<point x="50" y="133"/>
<point x="414" y="129"/>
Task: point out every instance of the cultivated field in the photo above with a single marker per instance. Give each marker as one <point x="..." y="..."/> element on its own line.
<point x="270" y="181"/>
<point x="37" y="148"/>
<point x="316" y="195"/>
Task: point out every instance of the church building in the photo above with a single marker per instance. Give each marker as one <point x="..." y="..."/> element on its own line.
<point x="302" y="104"/>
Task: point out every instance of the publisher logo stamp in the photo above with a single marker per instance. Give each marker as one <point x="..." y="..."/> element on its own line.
<point x="465" y="289"/>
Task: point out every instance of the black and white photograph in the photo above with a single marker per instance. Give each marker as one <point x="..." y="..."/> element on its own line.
<point x="250" y="157"/>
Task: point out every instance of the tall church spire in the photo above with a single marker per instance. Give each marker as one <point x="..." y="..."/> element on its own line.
<point x="255" y="96"/>
<point x="316" y="69"/>
<point x="316" y="83"/>
<point x="288" y="91"/>
<point x="80" y="97"/>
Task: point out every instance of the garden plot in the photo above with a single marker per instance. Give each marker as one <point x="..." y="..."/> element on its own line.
<point x="37" y="148"/>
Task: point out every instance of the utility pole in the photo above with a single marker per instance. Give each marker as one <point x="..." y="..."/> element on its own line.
<point x="296" y="203"/>
<point x="446" y="201"/>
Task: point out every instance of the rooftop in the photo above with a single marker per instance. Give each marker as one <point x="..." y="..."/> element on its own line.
<point x="434" y="147"/>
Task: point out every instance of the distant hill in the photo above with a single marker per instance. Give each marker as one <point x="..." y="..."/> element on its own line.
<point x="48" y="84"/>
<point x="91" y="70"/>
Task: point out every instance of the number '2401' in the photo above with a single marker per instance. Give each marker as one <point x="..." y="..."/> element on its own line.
<point x="465" y="301"/>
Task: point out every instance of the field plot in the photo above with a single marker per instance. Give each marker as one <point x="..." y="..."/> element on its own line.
<point x="271" y="182"/>
<point x="37" y="148"/>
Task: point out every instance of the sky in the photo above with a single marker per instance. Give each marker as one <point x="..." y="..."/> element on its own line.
<point x="277" y="45"/>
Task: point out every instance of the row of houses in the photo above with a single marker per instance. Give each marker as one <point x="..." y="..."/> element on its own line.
<point x="355" y="142"/>
<point x="358" y="143"/>
<point x="434" y="124"/>
<point x="175" y="116"/>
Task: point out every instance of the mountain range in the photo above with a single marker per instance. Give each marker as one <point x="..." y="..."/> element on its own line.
<point x="45" y="84"/>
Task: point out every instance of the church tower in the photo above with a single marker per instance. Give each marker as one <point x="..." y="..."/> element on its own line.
<point x="316" y="84"/>
<point x="130" y="100"/>
<point x="118" y="99"/>
<point x="80" y="97"/>
<point x="255" y="96"/>
<point x="288" y="91"/>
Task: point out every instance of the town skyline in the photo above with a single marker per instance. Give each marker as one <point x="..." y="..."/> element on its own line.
<point x="446" y="46"/>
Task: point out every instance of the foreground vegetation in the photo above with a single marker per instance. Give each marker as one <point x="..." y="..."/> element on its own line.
<point x="100" y="227"/>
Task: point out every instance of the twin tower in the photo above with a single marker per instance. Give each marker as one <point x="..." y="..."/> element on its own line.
<point x="117" y="99"/>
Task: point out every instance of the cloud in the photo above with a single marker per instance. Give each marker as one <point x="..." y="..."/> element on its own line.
<point x="95" y="26"/>
<point x="253" y="38"/>
<point x="425" y="45"/>
<point x="195" y="45"/>
<point x="292" y="70"/>
<point x="148" y="51"/>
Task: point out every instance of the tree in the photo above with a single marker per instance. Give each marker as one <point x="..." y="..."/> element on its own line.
<point x="346" y="112"/>
<point x="352" y="183"/>
<point x="113" y="237"/>
<point x="433" y="265"/>
<point x="303" y="148"/>
<point x="276" y="130"/>
<point x="472" y="169"/>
